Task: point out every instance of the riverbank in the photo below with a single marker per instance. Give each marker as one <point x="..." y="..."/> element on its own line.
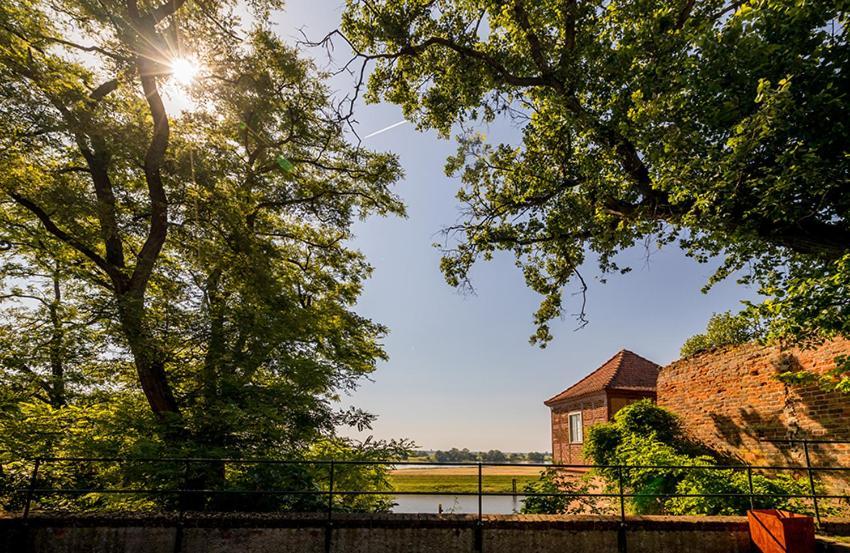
<point x="464" y="479"/>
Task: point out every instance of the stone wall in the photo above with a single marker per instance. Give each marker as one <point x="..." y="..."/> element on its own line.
<point x="594" y="409"/>
<point x="730" y="400"/>
<point x="385" y="533"/>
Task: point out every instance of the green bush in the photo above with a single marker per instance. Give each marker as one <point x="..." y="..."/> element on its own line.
<point x="723" y="481"/>
<point x="645" y="435"/>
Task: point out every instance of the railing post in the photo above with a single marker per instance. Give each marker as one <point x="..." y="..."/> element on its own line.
<point x="480" y="489"/>
<point x="331" y="491"/>
<point x="811" y="482"/>
<point x="181" y="508"/>
<point x="329" y="522"/>
<point x="750" y="482"/>
<point x="622" y="496"/>
<point x="31" y="488"/>
<point x="479" y="524"/>
<point x="181" y="492"/>
<point x="621" y="534"/>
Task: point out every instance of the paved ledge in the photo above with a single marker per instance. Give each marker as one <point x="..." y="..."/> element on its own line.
<point x="373" y="520"/>
<point x="371" y="533"/>
<point x="837" y="526"/>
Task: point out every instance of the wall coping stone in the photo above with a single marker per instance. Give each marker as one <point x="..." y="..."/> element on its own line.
<point x="391" y="520"/>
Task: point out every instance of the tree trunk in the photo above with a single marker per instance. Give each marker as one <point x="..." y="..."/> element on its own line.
<point x="148" y="356"/>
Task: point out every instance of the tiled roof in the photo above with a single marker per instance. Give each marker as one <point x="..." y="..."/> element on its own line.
<point x="625" y="371"/>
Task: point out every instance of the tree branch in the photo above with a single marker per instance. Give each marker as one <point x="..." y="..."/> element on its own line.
<point x="104" y="90"/>
<point x="166" y="9"/>
<point x="153" y="156"/>
<point x="54" y="229"/>
<point x="534" y="44"/>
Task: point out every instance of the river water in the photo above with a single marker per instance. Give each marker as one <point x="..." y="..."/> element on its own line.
<point x="464" y="504"/>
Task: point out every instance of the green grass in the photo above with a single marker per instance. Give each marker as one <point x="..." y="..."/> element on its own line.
<point x="457" y="483"/>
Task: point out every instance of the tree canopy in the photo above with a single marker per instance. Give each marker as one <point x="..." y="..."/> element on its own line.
<point x="723" y="329"/>
<point x="176" y="279"/>
<point x="721" y="126"/>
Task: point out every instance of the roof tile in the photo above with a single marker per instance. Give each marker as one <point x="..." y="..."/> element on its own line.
<point x="625" y="371"/>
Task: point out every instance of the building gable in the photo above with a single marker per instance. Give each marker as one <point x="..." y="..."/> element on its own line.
<point x="626" y="371"/>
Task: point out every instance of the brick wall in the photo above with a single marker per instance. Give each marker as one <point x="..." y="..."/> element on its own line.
<point x="729" y="399"/>
<point x="594" y="409"/>
<point x="378" y="533"/>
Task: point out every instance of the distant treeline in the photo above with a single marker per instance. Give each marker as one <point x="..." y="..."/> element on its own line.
<point x="455" y="455"/>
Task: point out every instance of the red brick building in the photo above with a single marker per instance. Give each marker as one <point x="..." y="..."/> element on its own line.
<point x="624" y="378"/>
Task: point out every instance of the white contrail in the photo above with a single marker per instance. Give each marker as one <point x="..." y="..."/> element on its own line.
<point x="385" y="129"/>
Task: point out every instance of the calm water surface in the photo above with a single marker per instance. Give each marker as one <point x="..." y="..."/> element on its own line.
<point x="464" y="504"/>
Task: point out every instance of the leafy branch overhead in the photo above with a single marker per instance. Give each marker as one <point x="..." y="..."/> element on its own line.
<point x="720" y="126"/>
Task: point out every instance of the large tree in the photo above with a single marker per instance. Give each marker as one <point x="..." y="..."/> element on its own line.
<point x="719" y="125"/>
<point x="212" y="240"/>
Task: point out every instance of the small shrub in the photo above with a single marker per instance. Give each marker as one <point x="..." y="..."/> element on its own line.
<point x="554" y="482"/>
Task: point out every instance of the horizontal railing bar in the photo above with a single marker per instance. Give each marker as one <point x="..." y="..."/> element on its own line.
<point x="306" y="461"/>
<point x="801" y="441"/>
<point x="164" y="460"/>
<point x="764" y="440"/>
<point x="51" y="491"/>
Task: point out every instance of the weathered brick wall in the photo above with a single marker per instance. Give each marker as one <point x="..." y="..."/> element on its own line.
<point x="381" y="533"/>
<point x="594" y="410"/>
<point x="730" y="399"/>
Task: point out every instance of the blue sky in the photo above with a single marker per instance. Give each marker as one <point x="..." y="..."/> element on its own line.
<point x="461" y="371"/>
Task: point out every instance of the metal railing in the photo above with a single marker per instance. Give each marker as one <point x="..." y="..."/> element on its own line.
<point x="331" y="492"/>
<point x="809" y="467"/>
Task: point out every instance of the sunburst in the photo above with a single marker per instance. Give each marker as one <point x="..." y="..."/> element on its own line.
<point x="184" y="70"/>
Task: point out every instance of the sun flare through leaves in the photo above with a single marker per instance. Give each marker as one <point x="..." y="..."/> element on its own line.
<point x="184" y="70"/>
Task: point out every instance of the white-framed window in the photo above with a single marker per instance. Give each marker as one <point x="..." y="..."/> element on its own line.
<point x="576" y="430"/>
